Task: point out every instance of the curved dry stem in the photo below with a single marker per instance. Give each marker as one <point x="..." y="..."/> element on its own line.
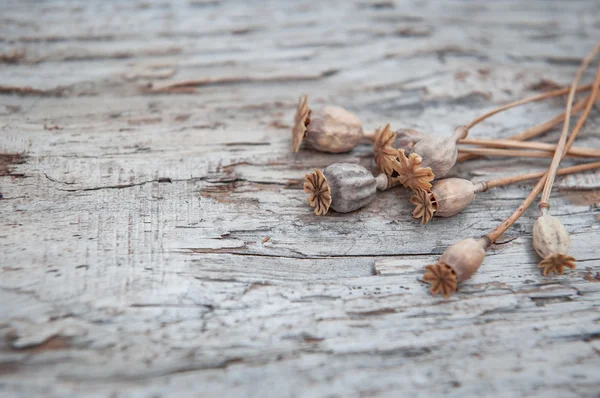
<point x="301" y="121"/>
<point x="317" y="186"/>
<point x="500" y="229"/>
<point x="541" y="128"/>
<point x="442" y="279"/>
<point x="539" y="97"/>
<point x="558" y="154"/>
<point x="556" y="263"/>
<point x="410" y="172"/>
<point x="385" y="153"/>
<point x="425" y="205"/>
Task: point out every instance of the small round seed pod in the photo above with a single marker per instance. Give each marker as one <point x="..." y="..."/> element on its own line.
<point x="453" y="195"/>
<point x="457" y="264"/>
<point x="439" y="153"/>
<point x="344" y="187"/>
<point x="329" y="129"/>
<point x="551" y="242"/>
<point x="447" y="198"/>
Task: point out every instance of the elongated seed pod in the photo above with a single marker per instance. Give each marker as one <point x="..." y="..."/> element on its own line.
<point x="551" y="242"/>
<point x="550" y="236"/>
<point x="329" y="129"/>
<point x="439" y="153"/>
<point x="344" y="187"/>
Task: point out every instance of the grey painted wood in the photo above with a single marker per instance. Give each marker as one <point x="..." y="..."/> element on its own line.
<point x="133" y="251"/>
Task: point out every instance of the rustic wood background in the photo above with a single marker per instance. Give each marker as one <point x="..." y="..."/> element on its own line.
<point x="155" y="240"/>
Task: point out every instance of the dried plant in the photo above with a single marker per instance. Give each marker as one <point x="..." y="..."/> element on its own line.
<point x="410" y="173"/>
<point x="471" y="251"/>
<point x="316" y="185"/>
<point x="536" y="130"/>
<point x="425" y="205"/>
<point x="456" y="264"/>
<point x="551" y="242"/>
<point x="344" y="187"/>
<point x="385" y="153"/>
<point x="548" y="149"/>
<point x="439" y="153"/>
<point x="450" y="196"/>
<point x="329" y="129"/>
<point x="550" y="238"/>
<point x="301" y="120"/>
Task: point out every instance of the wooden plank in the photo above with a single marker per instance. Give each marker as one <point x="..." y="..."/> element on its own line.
<point x="134" y="219"/>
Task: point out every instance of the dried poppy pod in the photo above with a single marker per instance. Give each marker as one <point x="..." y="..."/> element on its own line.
<point x="344" y="187"/>
<point x="329" y="129"/>
<point x="439" y="153"/>
<point x="386" y="144"/>
<point x="457" y="264"/>
<point x="447" y="198"/>
<point x="551" y="242"/>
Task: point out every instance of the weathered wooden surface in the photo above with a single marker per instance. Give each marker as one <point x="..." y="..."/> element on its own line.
<point x="132" y="231"/>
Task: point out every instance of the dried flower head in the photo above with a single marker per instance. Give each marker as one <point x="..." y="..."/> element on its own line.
<point x="410" y="173"/>
<point x="301" y="120"/>
<point x="329" y="129"/>
<point x="442" y="279"/>
<point x="456" y="264"/>
<point x="385" y="153"/>
<point x="556" y="263"/>
<point x="551" y="242"/>
<point x="425" y="205"/>
<point x="320" y="194"/>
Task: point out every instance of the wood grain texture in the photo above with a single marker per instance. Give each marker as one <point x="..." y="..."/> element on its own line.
<point x="145" y="160"/>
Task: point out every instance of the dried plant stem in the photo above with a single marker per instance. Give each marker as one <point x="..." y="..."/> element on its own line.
<point x="486" y="185"/>
<point x="562" y="142"/>
<point x="535" y="98"/>
<point x="370" y="135"/>
<point x="538" y="129"/>
<point x="541" y="146"/>
<point x="500" y="229"/>
<point x="513" y="153"/>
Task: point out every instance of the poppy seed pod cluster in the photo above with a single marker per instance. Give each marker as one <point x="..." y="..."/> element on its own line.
<point x="420" y="162"/>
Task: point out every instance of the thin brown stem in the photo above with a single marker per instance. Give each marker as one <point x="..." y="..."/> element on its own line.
<point x="530" y="176"/>
<point x="535" y="98"/>
<point x="562" y="141"/>
<point x="370" y="135"/>
<point x="540" y="146"/>
<point x="539" y="129"/>
<point x="512" y="153"/>
<point x="500" y="229"/>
